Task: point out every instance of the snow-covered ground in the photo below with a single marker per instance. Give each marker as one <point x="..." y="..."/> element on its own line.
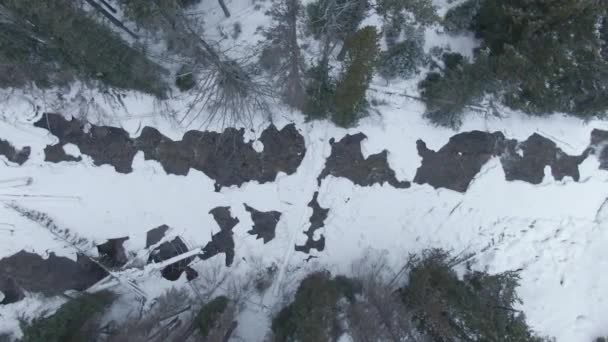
<point x="555" y="232"/>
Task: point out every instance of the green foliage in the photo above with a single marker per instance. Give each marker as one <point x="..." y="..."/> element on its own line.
<point x="209" y="315"/>
<point x="24" y="59"/>
<point x="460" y="18"/>
<point x="350" y="99"/>
<point x="67" y="323"/>
<point x="477" y="308"/>
<point x="149" y="13"/>
<point x="423" y="10"/>
<point x="313" y="315"/>
<point x="448" y="91"/>
<point x="64" y="36"/>
<point x="184" y="80"/>
<point x="402" y="59"/>
<point x="538" y="56"/>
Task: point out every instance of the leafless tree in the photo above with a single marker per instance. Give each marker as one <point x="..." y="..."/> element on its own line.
<point x="227" y="90"/>
<point x="282" y="55"/>
<point x="379" y="314"/>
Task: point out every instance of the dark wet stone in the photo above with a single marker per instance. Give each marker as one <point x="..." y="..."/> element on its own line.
<point x="168" y="250"/>
<point x="155" y="235"/>
<point x="317" y="220"/>
<point x="456" y="164"/>
<point x="599" y="147"/>
<point x="112" y="252"/>
<point x="346" y="160"/>
<point x="105" y="145"/>
<point x="11" y="290"/>
<point x="52" y="276"/>
<point x="224" y="218"/>
<point x="224" y="157"/>
<point x="56" y="154"/>
<point x="222" y="242"/>
<point x="12" y="154"/>
<point x="283" y="151"/>
<point x="191" y="274"/>
<point x="264" y="223"/>
<point x="537" y="153"/>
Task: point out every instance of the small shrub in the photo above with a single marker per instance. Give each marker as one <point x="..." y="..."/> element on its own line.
<point x="209" y="315"/>
<point x="265" y="278"/>
<point x="184" y="79"/>
<point x="237" y="29"/>
<point x="67" y="323"/>
<point x="448" y="91"/>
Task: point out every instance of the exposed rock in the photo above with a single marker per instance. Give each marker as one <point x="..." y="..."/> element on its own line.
<point x="224" y="218"/>
<point x="317" y="220"/>
<point x="155" y="235"/>
<point x="56" y="154"/>
<point x="105" y="145"/>
<point x="11" y="292"/>
<point x="223" y="241"/>
<point x="537" y="153"/>
<point x="456" y="164"/>
<point x="346" y="160"/>
<point x="112" y="252"/>
<point x="598" y="145"/>
<point x="264" y="223"/>
<point x="224" y="157"/>
<point x="191" y="274"/>
<point x="52" y="276"/>
<point x="12" y="154"/>
<point x="168" y="250"/>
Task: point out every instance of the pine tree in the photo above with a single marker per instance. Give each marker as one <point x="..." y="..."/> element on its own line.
<point x="350" y="99"/>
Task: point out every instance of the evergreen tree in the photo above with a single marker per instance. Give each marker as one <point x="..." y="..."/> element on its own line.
<point x="350" y="99"/>
<point x="538" y="56"/>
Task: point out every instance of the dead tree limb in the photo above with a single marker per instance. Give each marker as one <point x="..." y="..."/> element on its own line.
<point x="110" y="17"/>
<point x="224" y="8"/>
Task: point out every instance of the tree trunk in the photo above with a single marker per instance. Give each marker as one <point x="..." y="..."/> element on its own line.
<point x="224" y="8"/>
<point x="295" y="87"/>
<point x="110" y="17"/>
